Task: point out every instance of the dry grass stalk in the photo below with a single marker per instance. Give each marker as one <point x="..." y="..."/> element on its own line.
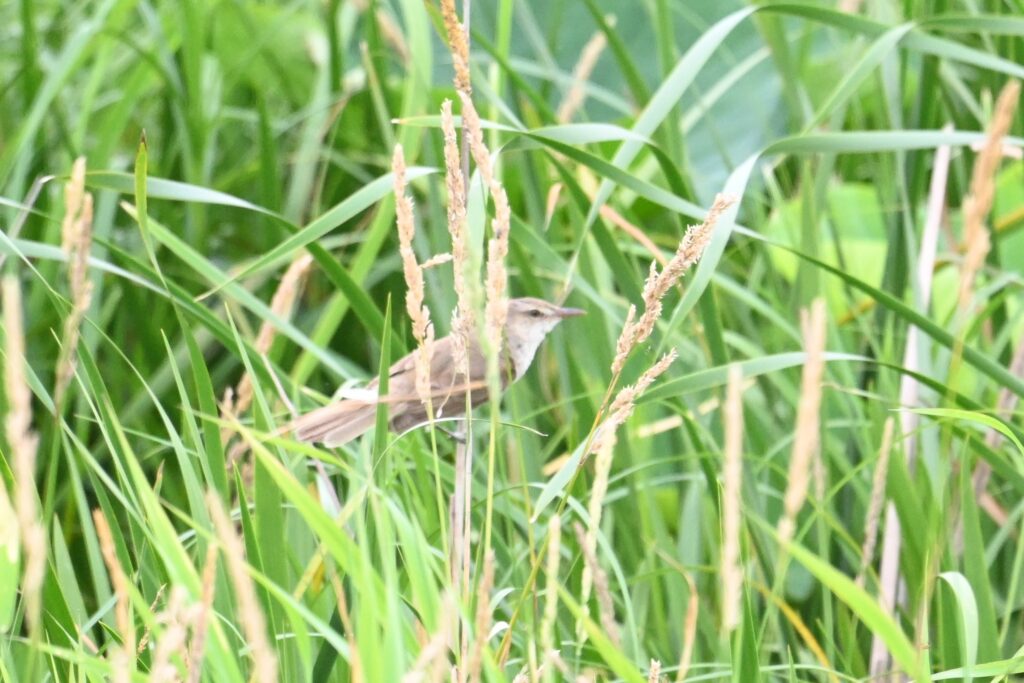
<point x="605" y="603"/>
<point x="807" y="438"/>
<point x="979" y="202"/>
<point x="496" y="309"/>
<point x="119" y="580"/>
<point x="250" y="616"/>
<point x="281" y="304"/>
<point x="144" y="640"/>
<point x="433" y="659"/>
<point x="419" y="314"/>
<point x="880" y="660"/>
<point x="23" y="443"/>
<point x="635" y="232"/>
<point x="482" y="625"/>
<point x="201" y="622"/>
<point x="554" y="555"/>
<point x="689" y="630"/>
<point x="657" y="285"/>
<point x="625" y="401"/>
<point x="463" y="319"/>
<point x="76" y="242"/>
<point x="732" y="485"/>
<point x="580" y="75"/>
<point x="849" y="6"/>
<point x="172" y="643"/>
<point x="876" y="501"/>
<point x="654" y="673"/>
<point x="602" y="470"/>
<point x="459" y="44"/>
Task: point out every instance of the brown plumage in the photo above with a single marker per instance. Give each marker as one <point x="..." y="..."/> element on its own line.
<point x="529" y="322"/>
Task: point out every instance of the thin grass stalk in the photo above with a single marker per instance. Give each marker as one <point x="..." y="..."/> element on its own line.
<point x="458" y="41"/>
<point x="463" y="326"/>
<point x="689" y="629"/>
<point x="602" y="471"/>
<point x="250" y="616"/>
<point x="23" y="443"/>
<point x="876" y="501"/>
<point x="550" y="613"/>
<point x="200" y="625"/>
<point x="496" y="306"/>
<point x="880" y="660"/>
<point x="605" y="603"/>
<point x="76" y="242"/>
<point x="732" y="484"/>
<point x="577" y="94"/>
<point x="975" y="213"/>
<point x="808" y="420"/>
<point x="482" y="624"/>
<point x="978" y="203"/>
<point x="122" y="595"/>
<point x="237" y="401"/>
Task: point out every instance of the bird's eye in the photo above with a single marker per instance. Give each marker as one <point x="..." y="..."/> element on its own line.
<point x="535" y="313"/>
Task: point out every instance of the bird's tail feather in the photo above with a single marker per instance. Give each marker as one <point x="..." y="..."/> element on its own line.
<point x="336" y="424"/>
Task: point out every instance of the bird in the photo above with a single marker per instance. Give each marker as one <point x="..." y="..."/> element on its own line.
<point x="528" y="323"/>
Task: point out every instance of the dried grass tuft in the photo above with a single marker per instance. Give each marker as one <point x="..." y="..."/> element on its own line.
<point x="625" y="401"/>
<point x="496" y="308"/>
<point x="459" y="44"/>
<point x="76" y="242"/>
<point x="654" y="673"/>
<point x="463" y="319"/>
<point x="978" y="203"/>
<point x="690" y="249"/>
<point x="732" y="485"/>
<point x="250" y="616"/>
<point x="806" y="441"/>
<point x="419" y="314"/>
<point x="23" y="443"/>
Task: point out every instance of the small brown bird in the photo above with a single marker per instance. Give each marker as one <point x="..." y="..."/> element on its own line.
<point x="529" y="322"/>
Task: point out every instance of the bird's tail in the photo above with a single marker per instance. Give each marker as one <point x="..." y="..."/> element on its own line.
<point x="337" y="423"/>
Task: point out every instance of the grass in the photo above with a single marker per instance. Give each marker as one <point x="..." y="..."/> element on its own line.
<point x="223" y="141"/>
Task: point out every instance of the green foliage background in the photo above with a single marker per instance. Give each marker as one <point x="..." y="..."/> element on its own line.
<point x="270" y="128"/>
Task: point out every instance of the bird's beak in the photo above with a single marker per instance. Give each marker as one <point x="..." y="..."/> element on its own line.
<point x="570" y="312"/>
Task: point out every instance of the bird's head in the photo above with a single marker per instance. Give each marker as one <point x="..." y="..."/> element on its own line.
<point x="529" y="321"/>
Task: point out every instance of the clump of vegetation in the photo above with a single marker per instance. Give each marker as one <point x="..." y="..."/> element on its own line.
<point x="783" y="443"/>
